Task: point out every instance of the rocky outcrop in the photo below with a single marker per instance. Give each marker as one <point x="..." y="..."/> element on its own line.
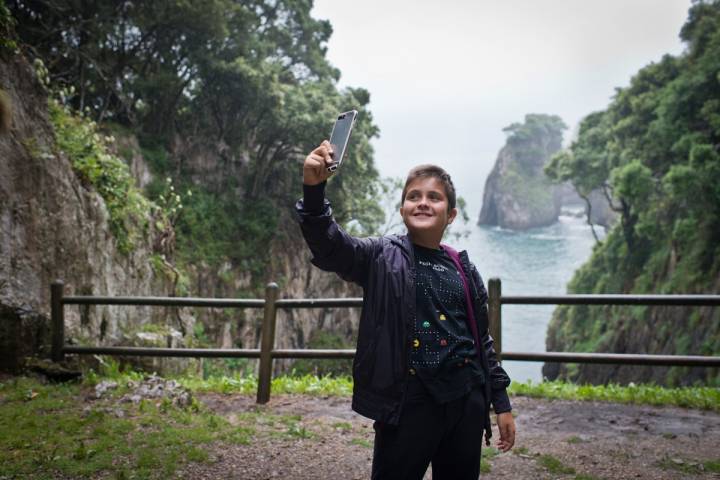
<point x="52" y="226"/>
<point x="517" y="193"/>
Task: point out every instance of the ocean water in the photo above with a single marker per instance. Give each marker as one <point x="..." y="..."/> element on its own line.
<point x="535" y="262"/>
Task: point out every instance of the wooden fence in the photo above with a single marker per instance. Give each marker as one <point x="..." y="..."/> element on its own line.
<point x="267" y="353"/>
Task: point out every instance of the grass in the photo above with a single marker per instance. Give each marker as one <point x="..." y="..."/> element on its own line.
<point x="342" y="426"/>
<point x="520" y="451"/>
<point x="306" y="384"/>
<point x="49" y="431"/>
<point x="294" y="429"/>
<point x="692" y="467"/>
<point x="704" y="398"/>
<point x="46" y="432"/>
<point x="487" y="454"/>
<point x="361" y="442"/>
<point x="554" y="465"/>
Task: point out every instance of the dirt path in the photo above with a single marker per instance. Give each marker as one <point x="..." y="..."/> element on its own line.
<point x="321" y="438"/>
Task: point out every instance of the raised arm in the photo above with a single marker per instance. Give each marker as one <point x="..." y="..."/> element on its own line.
<point x="333" y="249"/>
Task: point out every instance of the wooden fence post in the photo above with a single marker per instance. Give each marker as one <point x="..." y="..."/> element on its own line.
<point x="495" y="313"/>
<point x="57" y="320"/>
<point x="267" y="343"/>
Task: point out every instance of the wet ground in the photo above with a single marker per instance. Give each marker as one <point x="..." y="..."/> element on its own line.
<point x="556" y="440"/>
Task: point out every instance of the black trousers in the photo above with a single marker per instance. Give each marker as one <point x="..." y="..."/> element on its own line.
<point x="449" y="435"/>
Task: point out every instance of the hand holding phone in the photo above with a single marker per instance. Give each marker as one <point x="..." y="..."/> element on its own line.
<point x="340" y="137"/>
<point x="315" y="167"/>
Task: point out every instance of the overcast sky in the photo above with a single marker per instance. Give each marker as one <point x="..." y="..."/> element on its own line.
<point x="446" y="77"/>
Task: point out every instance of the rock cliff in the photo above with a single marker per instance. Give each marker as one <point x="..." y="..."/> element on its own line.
<point x="517" y="194"/>
<point x="55" y="226"/>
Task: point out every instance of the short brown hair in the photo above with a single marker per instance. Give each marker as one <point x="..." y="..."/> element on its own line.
<point x="429" y="170"/>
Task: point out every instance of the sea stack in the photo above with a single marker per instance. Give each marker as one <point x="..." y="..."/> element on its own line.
<point x="518" y="195"/>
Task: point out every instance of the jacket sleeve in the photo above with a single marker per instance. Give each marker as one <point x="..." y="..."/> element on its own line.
<point x="332" y="248"/>
<point x="499" y="379"/>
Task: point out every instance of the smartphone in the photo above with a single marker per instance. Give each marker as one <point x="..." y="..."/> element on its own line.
<point x="340" y="136"/>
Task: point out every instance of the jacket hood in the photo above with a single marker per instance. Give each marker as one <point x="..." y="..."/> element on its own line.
<point x="403" y="241"/>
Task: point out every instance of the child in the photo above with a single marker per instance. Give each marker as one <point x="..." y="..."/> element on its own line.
<point x="425" y="369"/>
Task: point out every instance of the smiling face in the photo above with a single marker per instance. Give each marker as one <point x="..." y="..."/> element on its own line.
<point x="426" y="211"/>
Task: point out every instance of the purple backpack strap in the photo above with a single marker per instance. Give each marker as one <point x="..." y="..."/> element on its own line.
<point x="455" y="256"/>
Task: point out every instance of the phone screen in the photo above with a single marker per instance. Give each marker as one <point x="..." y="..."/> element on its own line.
<point x="340" y="136"/>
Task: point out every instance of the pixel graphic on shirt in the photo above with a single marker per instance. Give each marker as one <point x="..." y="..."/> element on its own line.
<point x="436" y="337"/>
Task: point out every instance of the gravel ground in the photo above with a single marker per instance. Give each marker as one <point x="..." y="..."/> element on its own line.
<point x="556" y="440"/>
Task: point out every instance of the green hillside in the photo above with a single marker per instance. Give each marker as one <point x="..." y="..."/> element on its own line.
<point x="654" y="151"/>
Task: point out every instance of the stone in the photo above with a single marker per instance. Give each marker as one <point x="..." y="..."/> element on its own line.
<point x="104" y="386"/>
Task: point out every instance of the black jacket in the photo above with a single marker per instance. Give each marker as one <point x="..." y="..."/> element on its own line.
<point x="385" y="268"/>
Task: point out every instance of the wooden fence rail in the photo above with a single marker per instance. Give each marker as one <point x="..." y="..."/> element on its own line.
<point x="270" y="304"/>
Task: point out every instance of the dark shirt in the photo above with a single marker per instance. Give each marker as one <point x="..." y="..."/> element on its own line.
<point x="443" y="351"/>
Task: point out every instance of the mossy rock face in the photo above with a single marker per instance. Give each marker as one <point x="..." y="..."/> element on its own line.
<point x="55" y="372"/>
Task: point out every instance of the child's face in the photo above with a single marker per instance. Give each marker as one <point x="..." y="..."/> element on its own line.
<point x="425" y="209"/>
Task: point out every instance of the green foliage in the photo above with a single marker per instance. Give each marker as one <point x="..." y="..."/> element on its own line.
<point x="633" y="181"/>
<point x="539" y="136"/>
<point x="160" y="267"/>
<point x="361" y="442"/>
<point x="322" y="339"/>
<point x="246" y="85"/>
<point x="706" y="398"/>
<point x="554" y="465"/>
<point x="342" y="426"/>
<point x="223" y="367"/>
<point x="535" y="127"/>
<point x="80" y="140"/>
<point x="214" y="228"/>
<point x="487" y="454"/>
<point x="712" y="466"/>
<point x="585" y="164"/>
<point x="654" y="150"/>
<point x="157" y="158"/>
<point x="247" y="384"/>
<point x="8" y="39"/>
